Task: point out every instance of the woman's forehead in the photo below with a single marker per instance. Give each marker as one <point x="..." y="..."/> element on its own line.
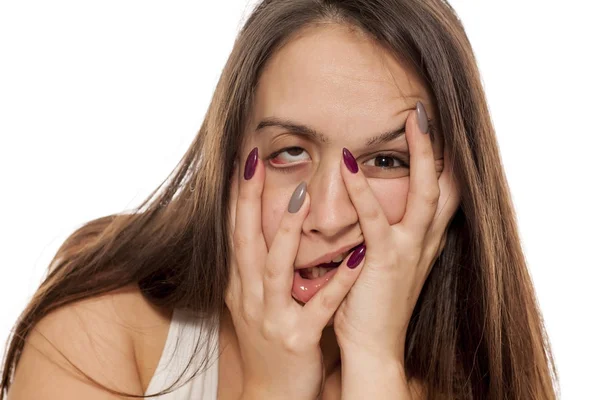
<point x="331" y="77"/>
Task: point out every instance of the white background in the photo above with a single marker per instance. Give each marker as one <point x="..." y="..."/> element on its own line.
<point x="99" y="100"/>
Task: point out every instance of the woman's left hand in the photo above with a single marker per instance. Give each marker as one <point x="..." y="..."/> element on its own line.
<point x="374" y="317"/>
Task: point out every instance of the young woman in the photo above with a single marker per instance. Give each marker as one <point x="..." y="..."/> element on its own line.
<point x="340" y="227"/>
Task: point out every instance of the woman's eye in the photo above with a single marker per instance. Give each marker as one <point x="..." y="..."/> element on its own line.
<point x="288" y="156"/>
<point x="386" y="161"/>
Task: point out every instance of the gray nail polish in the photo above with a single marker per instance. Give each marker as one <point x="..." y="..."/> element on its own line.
<point x="422" y="118"/>
<point x="297" y="198"/>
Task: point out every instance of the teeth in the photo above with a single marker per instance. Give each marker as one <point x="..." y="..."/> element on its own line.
<point x="340" y="257"/>
<point x="315" y="272"/>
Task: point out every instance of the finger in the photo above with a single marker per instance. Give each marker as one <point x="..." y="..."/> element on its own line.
<point x="279" y="270"/>
<point x="373" y="222"/>
<point x="449" y="197"/>
<point x="424" y="191"/>
<point x="233" y="290"/>
<point x="234" y="186"/>
<point x="248" y="242"/>
<point x="324" y="304"/>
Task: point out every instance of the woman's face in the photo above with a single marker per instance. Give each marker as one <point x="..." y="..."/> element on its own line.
<point x="346" y="91"/>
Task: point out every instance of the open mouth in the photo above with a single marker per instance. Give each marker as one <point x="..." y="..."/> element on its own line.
<point x="323" y="269"/>
<point x="308" y="281"/>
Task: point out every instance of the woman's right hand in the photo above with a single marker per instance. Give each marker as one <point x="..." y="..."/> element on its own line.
<point x="278" y="338"/>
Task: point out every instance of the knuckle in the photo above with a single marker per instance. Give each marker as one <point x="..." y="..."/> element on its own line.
<point x="285" y="228"/>
<point x="272" y="272"/>
<point x="295" y="342"/>
<point x="312" y="338"/>
<point x="328" y="301"/>
<point x="341" y="282"/>
<point x="360" y="188"/>
<point x="270" y="330"/>
<point x="371" y="213"/>
<point x="249" y="313"/>
<point x="245" y="194"/>
<point x="431" y="195"/>
<point x="412" y="257"/>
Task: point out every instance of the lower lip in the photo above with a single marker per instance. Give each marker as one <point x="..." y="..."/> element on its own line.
<point x="304" y="289"/>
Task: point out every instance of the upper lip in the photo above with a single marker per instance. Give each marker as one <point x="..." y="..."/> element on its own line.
<point x="328" y="257"/>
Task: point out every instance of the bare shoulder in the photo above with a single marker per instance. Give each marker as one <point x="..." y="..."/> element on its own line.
<point x="94" y="337"/>
<point x="148" y="329"/>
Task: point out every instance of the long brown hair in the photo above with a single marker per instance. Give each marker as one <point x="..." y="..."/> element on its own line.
<point x="476" y="331"/>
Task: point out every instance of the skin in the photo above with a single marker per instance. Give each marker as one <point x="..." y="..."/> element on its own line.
<point x="352" y="93"/>
<point x="348" y="89"/>
<point x="353" y="90"/>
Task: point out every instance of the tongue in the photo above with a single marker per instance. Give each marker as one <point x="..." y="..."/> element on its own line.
<point x="303" y="289"/>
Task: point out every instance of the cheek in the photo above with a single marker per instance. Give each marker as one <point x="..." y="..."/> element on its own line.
<point x="391" y="195"/>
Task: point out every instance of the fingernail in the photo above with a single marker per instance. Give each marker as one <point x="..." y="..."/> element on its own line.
<point x="251" y="162"/>
<point x="357" y="256"/>
<point x="350" y="161"/>
<point x="297" y="198"/>
<point x="422" y="118"/>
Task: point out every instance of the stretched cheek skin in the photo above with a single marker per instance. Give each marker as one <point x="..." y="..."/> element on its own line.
<point x="391" y="195"/>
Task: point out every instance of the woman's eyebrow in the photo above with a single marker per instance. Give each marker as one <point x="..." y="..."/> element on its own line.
<point x="313" y="134"/>
<point x="293" y="127"/>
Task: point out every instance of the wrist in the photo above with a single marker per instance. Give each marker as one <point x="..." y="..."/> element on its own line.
<point x="372" y="354"/>
<point x="373" y="374"/>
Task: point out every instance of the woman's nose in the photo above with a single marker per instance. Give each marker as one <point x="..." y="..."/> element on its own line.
<point x="331" y="211"/>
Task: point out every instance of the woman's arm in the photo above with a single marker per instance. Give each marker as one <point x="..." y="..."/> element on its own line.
<point x="367" y="376"/>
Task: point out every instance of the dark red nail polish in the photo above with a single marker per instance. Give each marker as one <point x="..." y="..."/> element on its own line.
<point x="350" y="161"/>
<point x="251" y="162"/>
<point x="357" y="256"/>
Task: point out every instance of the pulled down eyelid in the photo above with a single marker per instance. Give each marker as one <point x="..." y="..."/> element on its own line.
<point x="314" y="135"/>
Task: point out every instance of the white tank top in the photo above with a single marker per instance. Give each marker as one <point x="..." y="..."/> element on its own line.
<point x="184" y="331"/>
